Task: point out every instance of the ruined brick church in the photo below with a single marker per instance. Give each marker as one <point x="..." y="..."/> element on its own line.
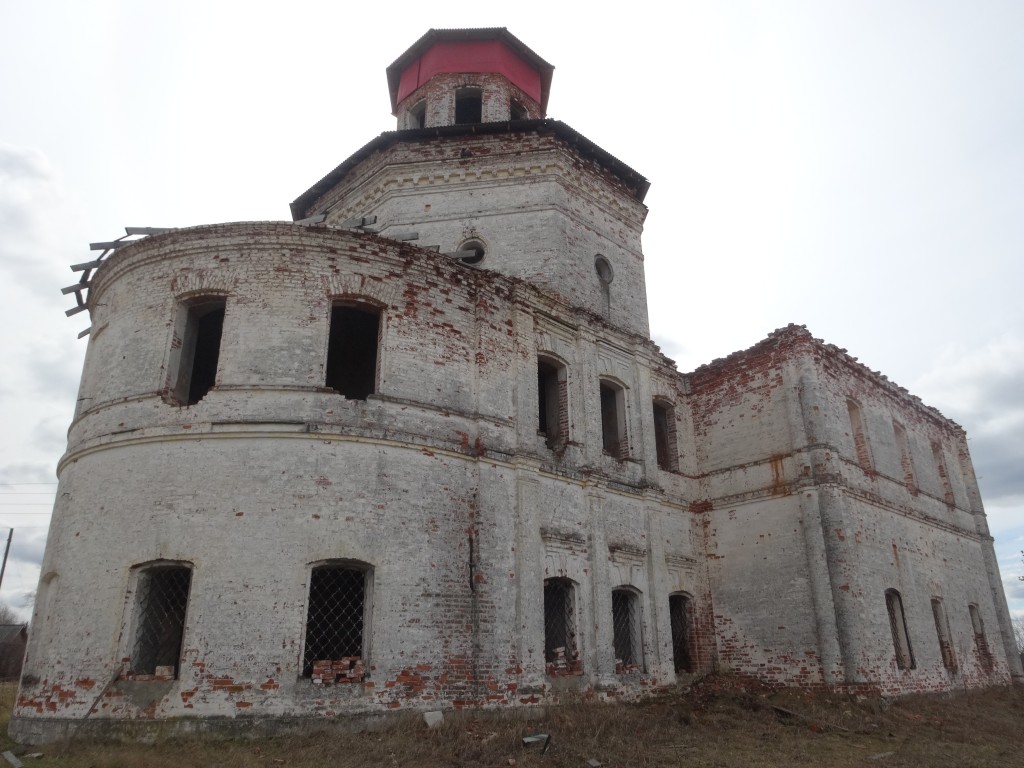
<point x="416" y="450"/>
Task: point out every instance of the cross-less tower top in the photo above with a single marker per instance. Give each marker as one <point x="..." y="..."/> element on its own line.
<point x="462" y="76"/>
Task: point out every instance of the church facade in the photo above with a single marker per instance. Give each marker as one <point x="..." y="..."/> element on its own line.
<point x="416" y="449"/>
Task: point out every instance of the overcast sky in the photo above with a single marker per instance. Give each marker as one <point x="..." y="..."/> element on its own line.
<point x="857" y="167"/>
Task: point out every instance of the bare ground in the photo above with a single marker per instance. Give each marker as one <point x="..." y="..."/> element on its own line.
<point x="721" y="720"/>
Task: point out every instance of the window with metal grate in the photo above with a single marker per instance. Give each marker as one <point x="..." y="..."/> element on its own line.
<point x="335" y="621"/>
<point x="680" y="616"/>
<point x="561" y="653"/>
<point x="898" y="626"/>
<point x="161" y="603"/>
<point x="626" y="630"/>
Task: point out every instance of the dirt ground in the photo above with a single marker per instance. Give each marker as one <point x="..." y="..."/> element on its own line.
<point x="722" y="720"/>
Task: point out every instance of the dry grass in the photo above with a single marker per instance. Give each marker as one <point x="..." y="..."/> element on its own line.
<point x="721" y="721"/>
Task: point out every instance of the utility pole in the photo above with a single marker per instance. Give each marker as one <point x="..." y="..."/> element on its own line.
<point x="7" y="549"/>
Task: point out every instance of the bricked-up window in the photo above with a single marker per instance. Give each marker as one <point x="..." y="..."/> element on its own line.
<point x="942" y="631"/>
<point x="336" y="619"/>
<point x="665" y="436"/>
<point x="898" y="626"/>
<point x="680" y="615"/>
<point x="561" y="653"/>
<point x="161" y="602"/>
<point x="352" y="350"/>
<point x="980" y="640"/>
<point x="196" y="349"/>
<point x="552" y="402"/>
<point x="469" y="106"/>
<point x="906" y="462"/>
<point x="626" y="634"/>
<point x="940" y="466"/>
<point x="613" y="421"/>
<point x="860" y="437"/>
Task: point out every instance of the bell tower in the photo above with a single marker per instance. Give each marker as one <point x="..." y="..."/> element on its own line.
<point x="477" y="171"/>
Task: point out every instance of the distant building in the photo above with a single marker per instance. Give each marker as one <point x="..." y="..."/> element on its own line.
<point x="417" y="450"/>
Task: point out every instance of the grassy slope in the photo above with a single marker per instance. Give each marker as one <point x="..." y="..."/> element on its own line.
<point x="720" y="721"/>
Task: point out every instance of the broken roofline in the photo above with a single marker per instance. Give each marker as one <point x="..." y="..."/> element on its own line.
<point x="633" y="180"/>
<point x="798" y="334"/>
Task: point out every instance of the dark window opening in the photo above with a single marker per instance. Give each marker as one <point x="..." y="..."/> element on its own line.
<point x="471" y="252"/>
<point x="626" y="630"/>
<point x="898" y="626"/>
<point x="942" y="630"/>
<point x="561" y="653"/>
<point x="352" y="351"/>
<point x="665" y="437"/>
<point x="198" y="335"/>
<point x="551" y="397"/>
<point x="335" y="620"/>
<point x="417" y="115"/>
<point x="980" y="640"/>
<point x="679" y="614"/>
<point x="469" y="106"/>
<point x="161" y="603"/>
<point x="517" y="111"/>
<point x="613" y="428"/>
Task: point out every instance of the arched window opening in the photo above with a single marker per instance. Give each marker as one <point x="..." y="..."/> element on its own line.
<point x="552" y="406"/>
<point x="945" y="639"/>
<point x="469" y="105"/>
<point x="898" y="626"/>
<point x="680" y="614"/>
<point x="561" y="652"/>
<point x="517" y="111"/>
<point x="161" y="602"/>
<point x="860" y="437"/>
<point x="195" y="348"/>
<point x="626" y="632"/>
<point x="352" y="351"/>
<point x="418" y="114"/>
<point x="665" y="436"/>
<point x="980" y="640"/>
<point x="613" y="421"/>
<point x="336" y="619"/>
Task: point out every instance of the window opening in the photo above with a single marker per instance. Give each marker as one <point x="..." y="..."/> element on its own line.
<point x="980" y="641"/>
<point x="860" y="438"/>
<point x="352" y="351"/>
<point x="561" y="653"/>
<point x="940" y="465"/>
<point x="197" y="339"/>
<point x="942" y="630"/>
<point x="161" y="603"/>
<point x="604" y="275"/>
<point x="906" y="462"/>
<point x="335" y="620"/>
<point x="679" y="614"/>
<point x="469" y="104"/>
<point x="626" y="630"/>
<point x="472" y="252"/>
<point x="613" y="426"/>
<point x="898" y="626"/>
<point x="417" y="114"/>
<point x="551" y="401"/>
<point x="665" y="437"/>
<point x="517" y="111"/>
